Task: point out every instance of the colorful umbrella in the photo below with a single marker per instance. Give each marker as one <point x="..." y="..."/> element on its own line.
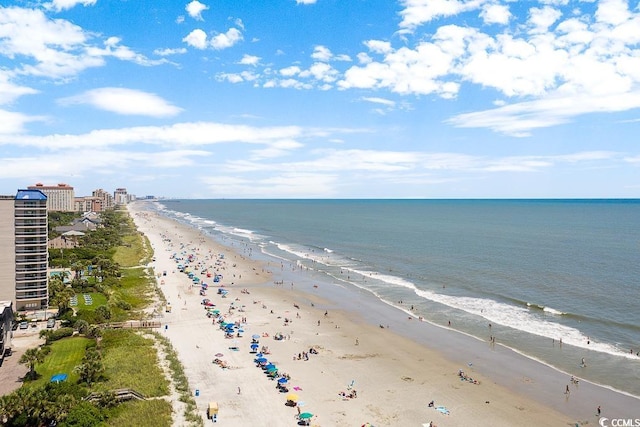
<point x="293" y="397"/>
<point x="305" y="415"/>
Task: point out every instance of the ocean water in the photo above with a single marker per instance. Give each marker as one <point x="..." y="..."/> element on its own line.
<point x="536" y="271"/>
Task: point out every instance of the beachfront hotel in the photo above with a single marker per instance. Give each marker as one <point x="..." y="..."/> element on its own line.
<point x="59" y="197"/>
<point x="24" y="258"/>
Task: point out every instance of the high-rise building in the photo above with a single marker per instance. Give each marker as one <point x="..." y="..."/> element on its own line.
<point x="105" y="197"/>
<point x="59" y="197"/>
<point x="24" y="258"/>
<point x="6" y="320"/>
<point x="120" y="196"/>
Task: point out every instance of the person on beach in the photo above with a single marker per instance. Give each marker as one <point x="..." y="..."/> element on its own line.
<point x="567" y="391"/>
<point x="598" y="410"/>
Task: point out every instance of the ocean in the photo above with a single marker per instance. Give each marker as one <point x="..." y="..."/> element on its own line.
<point x="555" y="280"/>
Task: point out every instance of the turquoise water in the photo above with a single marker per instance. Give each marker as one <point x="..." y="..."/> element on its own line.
<point x="538" y="271"/>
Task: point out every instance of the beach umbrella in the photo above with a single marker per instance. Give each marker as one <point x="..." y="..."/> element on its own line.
<point x="305" y="415"/>
<point x="219" y="354"/>
<point x="272" y="369"/>
<point x="255" y="337"/>
<point x="261" y="359"/>
<point x="292" y="397"/>
<point x="254" y="346"/>
<point x="283" y="380"/>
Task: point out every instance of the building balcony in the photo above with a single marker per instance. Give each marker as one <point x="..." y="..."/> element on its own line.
<point x="41" y="294"/>
<point x="22" y="264"/>
<point x="21" y="223"/>
<point x="24" y="290"/>
<point x="30" y="232"/>
<point x="26" y="252"/>
<point x="30" y="277"/>
<point x="30" y="241"/>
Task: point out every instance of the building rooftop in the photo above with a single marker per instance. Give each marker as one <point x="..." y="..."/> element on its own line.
<point x="30" y="195"/>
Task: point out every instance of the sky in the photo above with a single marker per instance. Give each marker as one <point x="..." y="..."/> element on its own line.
<point x="322" y="98"/>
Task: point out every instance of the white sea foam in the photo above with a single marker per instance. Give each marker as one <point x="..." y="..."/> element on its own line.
<point x="517" y="317"/>
<point x="553" y="311"/>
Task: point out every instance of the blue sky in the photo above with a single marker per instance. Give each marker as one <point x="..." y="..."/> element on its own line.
<point x="322" y="98"/>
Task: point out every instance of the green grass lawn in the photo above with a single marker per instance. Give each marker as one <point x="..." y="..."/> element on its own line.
<point x="141" y="414"/>
<point x="136" y="288"/>
<point x="65" y="355"/>
<point x="132" y="252"/>
<point x="120" y="348"/>
<point x="98" y="300"/>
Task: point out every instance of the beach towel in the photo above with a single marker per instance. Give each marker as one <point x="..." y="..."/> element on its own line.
<point x="442" y="410"/>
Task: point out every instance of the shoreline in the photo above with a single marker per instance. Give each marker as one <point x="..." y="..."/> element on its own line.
<point x="359" y="312"/>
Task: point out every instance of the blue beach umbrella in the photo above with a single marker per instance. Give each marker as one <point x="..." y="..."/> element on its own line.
<point x="255" y="337"/>
<point x="254" y="346"/>
<point x="283" y="380"/>
<point x="261" y="359"/>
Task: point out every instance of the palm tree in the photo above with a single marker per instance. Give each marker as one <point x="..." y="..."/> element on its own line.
<point x="91" y="367"/>
<point x="32" y="356"/>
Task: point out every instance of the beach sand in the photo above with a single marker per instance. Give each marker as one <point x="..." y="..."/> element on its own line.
<point x="394" y="377"/>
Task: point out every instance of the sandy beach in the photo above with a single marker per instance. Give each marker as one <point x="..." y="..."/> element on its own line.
<point x="344" y="368"/>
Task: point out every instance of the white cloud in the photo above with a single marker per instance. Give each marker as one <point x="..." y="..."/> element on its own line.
<point x="375" y="100"/>
<point x="13" y="123"/>
<point x="321" y="53"/>
<point x="169" y="52"/>
<point x="612" y="12"/>
<point x="495" y="14"/>
<point x="195" y="9"/>
<point x="417" y="12"/>
<point x="250" y="60"/>
<point x="519" y="119"/>
<point x="60" y="5"/>
<point x="321" y="71"/>
<point x="306" y="1"/>
<point x="124" y="101"/>
<point x="542" y="19"/>
<point x="196" y="38"/>
<point x="230" y="77"/>
<point x="290" y="71"/>
<point x="9" y="91"/>
<point x="176" y="135"/>
<point x="55" y="48"/>
<point x="378" y="46"/>
<point x="226" y="40"/>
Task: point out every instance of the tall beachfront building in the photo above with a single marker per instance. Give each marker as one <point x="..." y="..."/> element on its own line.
<point x="120" y="196"/>
<point x="59" y="197"/>
<point x="105" y="197"/>
<point x="24" y="256"/>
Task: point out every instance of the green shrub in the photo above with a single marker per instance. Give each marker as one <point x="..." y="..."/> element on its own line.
<point x="59" y="334"/>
